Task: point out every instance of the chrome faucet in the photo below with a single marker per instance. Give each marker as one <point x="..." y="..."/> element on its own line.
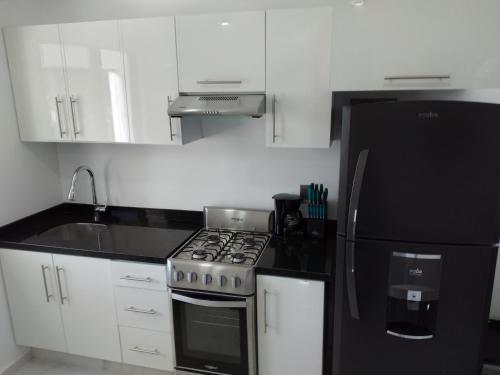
<point x="98" y="208"/>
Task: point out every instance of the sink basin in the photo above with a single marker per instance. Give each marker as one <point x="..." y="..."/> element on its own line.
<point x="74" y="232"/>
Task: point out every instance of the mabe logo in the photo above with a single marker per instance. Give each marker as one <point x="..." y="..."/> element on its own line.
<point x="416" y="272"/>
<point x="237" y="219"/>
<point x="428" y="115"/>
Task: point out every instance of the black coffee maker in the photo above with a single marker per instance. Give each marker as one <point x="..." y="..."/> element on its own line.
<point x="287" y="215"/>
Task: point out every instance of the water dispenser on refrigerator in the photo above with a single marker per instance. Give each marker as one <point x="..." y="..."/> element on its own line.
<point x="413" y="295"/>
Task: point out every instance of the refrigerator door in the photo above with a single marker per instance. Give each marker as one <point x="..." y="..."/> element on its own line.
<point x="421" y="172"/>
<point x="435" y="328"/>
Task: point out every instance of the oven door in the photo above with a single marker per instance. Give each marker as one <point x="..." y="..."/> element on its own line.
<point x="214" y="334"/>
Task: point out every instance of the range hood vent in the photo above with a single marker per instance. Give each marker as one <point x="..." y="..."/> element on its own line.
<point x="253" y="105"/>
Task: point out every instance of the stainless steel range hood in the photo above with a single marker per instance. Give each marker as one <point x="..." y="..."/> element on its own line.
<point x="253" y="105"/>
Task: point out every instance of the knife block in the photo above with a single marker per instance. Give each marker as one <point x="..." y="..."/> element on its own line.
<point x="316" y="228"/>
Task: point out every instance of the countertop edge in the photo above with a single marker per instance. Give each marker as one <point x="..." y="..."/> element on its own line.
<point x="83" y="252"/>
<point x="280" y="272"/>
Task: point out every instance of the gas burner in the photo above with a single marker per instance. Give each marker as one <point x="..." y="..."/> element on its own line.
<point x="249" y="241"/>
<point x="238" y="257"/>
<point x="199" y="254"/>
<point x="213" y="239"/>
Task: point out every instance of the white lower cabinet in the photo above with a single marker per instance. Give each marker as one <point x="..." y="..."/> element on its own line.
<point x="139" y="308"/>
<point x="290" y="315"/>
<point x="87" y="307"/>
<point x="30" y="282"/>
<point x="62" y="303"/>
<point x="112" y="310"/>
<point x="147" y="348"/>
<point x="143" y="314"/>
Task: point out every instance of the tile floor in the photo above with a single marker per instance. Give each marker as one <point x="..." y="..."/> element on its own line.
<point x="46" y="363"/>
<point x="41" y="365"/>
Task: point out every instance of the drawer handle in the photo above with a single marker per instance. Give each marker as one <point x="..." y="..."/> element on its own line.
<point x="218" y="82"/>
<point x="141" y="279"/>
<point x="142" y="311"/>
<point x="145" y="351"/>
<point x="436" y="76"/>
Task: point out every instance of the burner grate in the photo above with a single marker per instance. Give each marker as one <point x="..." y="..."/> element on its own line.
<point x="217" y="245"/>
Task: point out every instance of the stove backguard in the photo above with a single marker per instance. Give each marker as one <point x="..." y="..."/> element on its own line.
<point x="413" y="295"/>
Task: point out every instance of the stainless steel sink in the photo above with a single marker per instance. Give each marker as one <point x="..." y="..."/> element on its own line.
<point x="74" y="232"/>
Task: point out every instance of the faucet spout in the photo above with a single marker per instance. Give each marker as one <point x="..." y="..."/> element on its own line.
<point x="71" y="194"/>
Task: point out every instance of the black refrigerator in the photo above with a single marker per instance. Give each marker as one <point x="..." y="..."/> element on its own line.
<point x="417" y="241"/>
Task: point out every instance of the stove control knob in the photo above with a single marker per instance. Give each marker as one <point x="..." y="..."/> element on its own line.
<point x="235" y="282"/>
<point x="206" y="279"/>
<point x="221" y="280"/>
<point x="178" y="276"/>
<point x="192" y="277"/>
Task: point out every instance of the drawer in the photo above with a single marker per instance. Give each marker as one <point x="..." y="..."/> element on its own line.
<point x="147" y="348"/>
<point x="139" y="275"/>
<point x="141" y="308"/>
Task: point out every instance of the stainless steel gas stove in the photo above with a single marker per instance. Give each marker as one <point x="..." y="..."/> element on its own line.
<point x="211" y="283"/>
<point x="221" y="257"/>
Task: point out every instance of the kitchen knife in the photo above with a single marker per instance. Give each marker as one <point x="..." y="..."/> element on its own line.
<point x="310" y="198"/>
<point x="325" y="202"/>
<point x="316" y="201"/>
<point x="320" y="201"/>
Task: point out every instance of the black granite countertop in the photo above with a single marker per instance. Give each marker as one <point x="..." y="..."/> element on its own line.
<point x="300" y="256"/>
<point x="135" y="234"/>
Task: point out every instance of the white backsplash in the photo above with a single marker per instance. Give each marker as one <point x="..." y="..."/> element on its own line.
<point x="230" y="166"/>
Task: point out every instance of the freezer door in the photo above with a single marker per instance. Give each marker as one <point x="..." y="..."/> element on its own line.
<point x="422" y="172"/>
<point x="375" y="341"/>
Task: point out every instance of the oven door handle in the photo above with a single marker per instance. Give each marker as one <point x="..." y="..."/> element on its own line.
<point x="207" y="303"/>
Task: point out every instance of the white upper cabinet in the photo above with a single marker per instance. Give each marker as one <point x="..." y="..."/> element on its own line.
<point x="151" y="75"/>
<point x="30" y="282"/>
<point x="96" y="81"/>
<point x="37" y="75"/>
<point x="222" y="52"/>
<point x="406" y="44"/>
<point x="299" y="99"/>
<point x="290" y="325"/>
<point x="150" y="55"/>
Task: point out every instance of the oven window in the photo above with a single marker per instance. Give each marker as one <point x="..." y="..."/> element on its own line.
<point x="212" y="339"/>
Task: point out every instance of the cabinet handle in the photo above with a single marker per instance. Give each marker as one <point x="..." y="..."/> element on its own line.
<point x="48" y="296"/>
<point x="140" y="279"/>
<point x="265" y="310"/>
<point x="145" y="351"/>
<point x="170" y="120"/>
<point x="420" y="77"/>
<point x="73" y="100"/>
<point x="142" y="311"/>
<point x="216" y="82"/>
<point x="58" y="110"/>
<point x="58" y="273"/>
<point x="274" y="118"/>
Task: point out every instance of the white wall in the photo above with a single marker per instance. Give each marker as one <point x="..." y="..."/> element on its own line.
<point x="29" y="183"/>
<point x="229" y="166"/>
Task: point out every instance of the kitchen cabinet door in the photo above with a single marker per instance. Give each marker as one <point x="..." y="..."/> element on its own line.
<point x="221" y="52"/>
<point x="298" y="74"/>
<point x="87" y="306"/>
<point x="290" y="325"/>
<point x="37" y="75"/>
<point x="96" y="81"/>
<point x="151" y="75"/>
<point x="414" y="45"/>
<point x="33" y="299"/>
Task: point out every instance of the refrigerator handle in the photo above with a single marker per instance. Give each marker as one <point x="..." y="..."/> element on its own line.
<point x="355" y="193"/>
<point x="352" y="293"/>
